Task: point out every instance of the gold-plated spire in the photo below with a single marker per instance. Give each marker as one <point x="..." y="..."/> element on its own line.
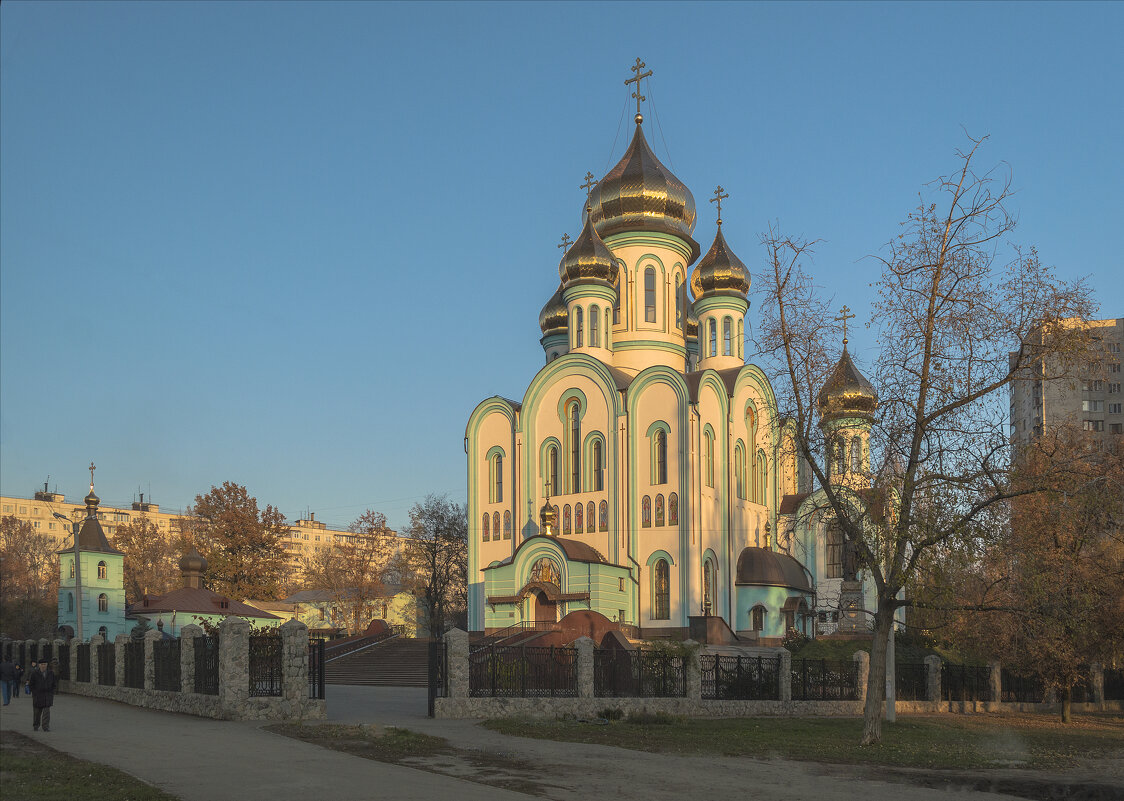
<point x="636" y="78"/>
<point x="718" y="198"/>
<point x="844" y="316"/>
<point x="720" y="272"/>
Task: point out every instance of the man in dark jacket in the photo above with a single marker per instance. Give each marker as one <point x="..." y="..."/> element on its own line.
<point x="8" y="681"/>
<point x="43" y="683"/>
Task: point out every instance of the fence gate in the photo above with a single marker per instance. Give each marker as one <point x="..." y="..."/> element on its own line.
<point x="438" y="679"/>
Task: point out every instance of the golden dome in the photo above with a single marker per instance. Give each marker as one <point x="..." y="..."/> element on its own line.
<point x="692" y="322"/>
<point x="720" y="272"/>
<point x="640" y="194"/>
<point x="547" y="522"/>
<point x="846" y="393"/>
<point x="554" y="317"/>
<point x="588" y="261"/>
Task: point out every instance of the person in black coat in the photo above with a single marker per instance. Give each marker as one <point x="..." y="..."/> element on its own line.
<point x="9" y="682"/>
<point x="43" y="683"/>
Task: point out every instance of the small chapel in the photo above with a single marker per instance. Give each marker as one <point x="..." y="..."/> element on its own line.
<point x="646" y="474"/>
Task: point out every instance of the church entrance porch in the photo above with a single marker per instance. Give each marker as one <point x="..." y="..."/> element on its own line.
<point x="543" y="610"/>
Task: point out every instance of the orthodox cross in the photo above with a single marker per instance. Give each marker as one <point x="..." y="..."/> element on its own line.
<point x="636" y="80"/>
<point x="718" y="198"/>
<point x="566" y="241"/>
<point x="844" y="317"/>
<point x="588" y="185"/>
<point x="92" y="469"/>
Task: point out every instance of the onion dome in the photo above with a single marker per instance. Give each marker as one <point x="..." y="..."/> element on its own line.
<point x="692" y="322"/>
<point x="547" y="523"/>
<point x="554" y="317"/>
<point x="846" y="393"/>
<point x="92" y="500"/>
<point x="588" y="261"/>
<point x="193" y="562"/>
<point x="720" y="272"/>
<point x="640" y="194"/>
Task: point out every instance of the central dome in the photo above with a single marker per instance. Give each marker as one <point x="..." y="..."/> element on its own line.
<point x="640" y="194"/>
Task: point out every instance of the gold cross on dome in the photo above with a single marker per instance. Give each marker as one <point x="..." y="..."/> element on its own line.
<point x="589" y="184"/>
<point x="636" y="80"/>
<point x="718" y="198"/>
<point x="92" y="469"/>
<point x="566" y="241"/>
<point x="844" y="317"/>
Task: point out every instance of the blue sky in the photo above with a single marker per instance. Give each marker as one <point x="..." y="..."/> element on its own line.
<point x="292" y="245"/>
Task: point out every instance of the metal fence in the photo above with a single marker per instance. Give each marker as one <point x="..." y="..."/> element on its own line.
<point x="438" y="672"/>
<point x="911" y="681"/>
<point x="207" y="665"/>
<point x="1114" y="684"/>
<point x="742" y="678"/>
<point x="965" y="682"/>
<point x="107" y="664"/>
<point x="83" y="662"/>
<point x="523" y="672"/>
<point x="64" y="662"/>
<point x="316" y="669"/>
<point x="640" y="674"/>
<point x="34" y="654"/>
<point x="265" y="665"/>
<point x="134" y="664"/>
<point x="823" y="680"/>
<point x="166" y="665"/>
<point x="47" y="652"/>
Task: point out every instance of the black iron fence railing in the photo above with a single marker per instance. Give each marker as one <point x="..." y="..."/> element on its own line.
<point x="911" y="681"/>
<point x="523" y="672"/>
<point x="64" y="662"/>
<point x="47" y="652"/>
<point x="740" y="677"/>
<point x="166" y="665"/>
<point x="34" y="653"/>
<point x="107" y="664"/>
<point x="83" y="662"/>
<point x="265" y="665"/>
<point x="207" y="665"/>
<point x="438" y="671"/>
<point x="134" y="664"/>
<point x="1020" y="688"/>
<point x="640" y="674"/>
<point x="823" y="680"/>
<point x="316" y="669"/>
<point x="965" y="682"/>
<point x="1114" y="684"/>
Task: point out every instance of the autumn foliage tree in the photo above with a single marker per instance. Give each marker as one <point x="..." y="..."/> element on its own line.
<point x="29" y="580"/>
<point x="244" y="546"/>
<point x="437" y="557"/>
<point x="151" y="562"/>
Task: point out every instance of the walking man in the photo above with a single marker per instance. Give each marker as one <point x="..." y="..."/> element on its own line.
<point x="43" y="683"/>
<point x="8" y="679"/>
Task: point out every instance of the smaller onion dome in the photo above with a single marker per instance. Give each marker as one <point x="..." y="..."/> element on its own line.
<point x="547" y="523"/>
<point x="588" y="261"/>
<point x="720" y="272"/>
<point x="193" y="562"/>
<point x="846" y="392"/>
<point x="554" y="317"/>
<point x="692" y="322"/>
<point x="92" y="500"/>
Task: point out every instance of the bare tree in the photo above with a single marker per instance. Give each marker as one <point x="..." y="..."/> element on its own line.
<point x="437" y="555"/>
<point x="952" y="302"/>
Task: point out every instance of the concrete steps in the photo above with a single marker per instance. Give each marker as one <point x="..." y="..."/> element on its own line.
<point x="398" y="662"/>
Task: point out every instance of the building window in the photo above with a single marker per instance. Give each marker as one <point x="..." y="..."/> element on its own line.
<point x="497" y="478"/>
<point x="1093" y="425"/>
<point x="486" y="526"/>
<point x="594" y="327"/>
<point x="650" y="295"/>
<point x="646" y="512"/>
<point x="566" y="519"/>
<point x="673" y="509"/>
<point x="598" y="479"/>
<point x="1116" y="428"/>
<point x="507" y="525"/>
<point x="727" y="337"/>
<point x="762" y="483"/>
<point x="661" y="591"/>
<point x="70" y="602"/>
<point x="678" y="302"/>
<point x="1113" y="388"/>
<point x="834" y="555"/>
<point x="591" y="517"/>
<point x="659" y="510"/>
<point x="603" y="516"/>
<point x="741" y="338"/>
<point x="72" y="568"/>
<point x="103" y="632"/>
<point x="575" y="448"/>
<point x="709" y="584"/>
<point x="659" y="471"/>
<point x="1114" y="408"/>
<point x="758" y="614"/>
<point x="579" y="518"/>
<point x="608" y="328"/>
<point x="1092" y="406"/>
<point x="496" y="524"/>
<point x="577" y="326"/>
<point x="103" y="603"/>
<point x="551" y="470"/>
<point x="708" y="458"/>
<point x="103" y="570"/>
<point x="856" y="455"/>
<point x="712" y="328"/>
<point x="739" y="470"/>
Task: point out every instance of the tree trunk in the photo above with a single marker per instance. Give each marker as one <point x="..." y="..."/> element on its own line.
<point x="1067" y="701"/>
<point x="876" y="679"/>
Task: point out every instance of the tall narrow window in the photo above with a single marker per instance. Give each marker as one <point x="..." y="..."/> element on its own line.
<point x="837" y="456"/>
<point x="552" y="470"/>
<point x="708" y="585"/>
<point x="739" y="470"/>
<point x="485" y="527"/>
<point x="598" y="480"/>
<point x="496" y="524"/>
<point x="577" y="326"/>
<point x="594" y="327"/>
<point x="72" y="569"/>
<point x="833" y="557"/>
<point x="497" y="495"/>
<point x="856" y="455"/>
<point x="661" y="457"/>
<point x="575" y="448"/>
<point x="661" y="591"/>
<point x="659" y="510"/>
<point x="650" y="295"/>
<point x="708" y="458"/>
<point x="566" y="519"/>
<point x="70" y="602"/>
<point x="646" y="512"/>
<point x="617" y="301"/>
<point x="608" y="330"/>
<point x="759" y="618"/>
<point x="603" y="516"/>
<point x="741" y="338"/>
<point x="673" y="509"/>
<point x="762" y="477"/>
<point x="103" y="603"/>
<point x="591" y="517"/>
<point x="678" y="302"/>
<point x="506" y="525"/>
<point x="712" y="329"/>
<point x="727" y="336"/>
<point x="579" y="518"/>
<point x="103" y="570"/>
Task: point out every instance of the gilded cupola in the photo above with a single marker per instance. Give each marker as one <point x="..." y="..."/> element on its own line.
<point x="720" y="272"/>
<point x="846" y="393"/>
<point x="554" y="316"/>
<point x="588" y="261"/>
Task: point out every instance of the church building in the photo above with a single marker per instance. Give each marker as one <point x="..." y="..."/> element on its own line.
<point x="646" y="474"/>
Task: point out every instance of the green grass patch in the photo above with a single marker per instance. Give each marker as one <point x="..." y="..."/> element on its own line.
<point x="31" y="771"/>
<point x="382" y="743"/>
<point x="944" y="741"/>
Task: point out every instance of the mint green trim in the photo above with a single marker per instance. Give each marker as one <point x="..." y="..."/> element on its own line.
<point x="587" y="456"/>
<point x="565" y="398"/>
<point x="658" y="425"/>
<point x="650" y="344"/>
<point x="732" y="303"/>
<point x="582" y="292"/>
<point x="654" y="556"/>
<point x="630" y="238"/>
<point x="544" y="462"/>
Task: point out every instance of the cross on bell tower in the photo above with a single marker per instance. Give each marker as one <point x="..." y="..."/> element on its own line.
<point x="844" y="317"/>
<point x="719" y="196"/>
<point x="640" y="65"/>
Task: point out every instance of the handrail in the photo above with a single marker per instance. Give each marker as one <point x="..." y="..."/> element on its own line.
<point x="513" y="630"/>
<point x="350" y="646"/>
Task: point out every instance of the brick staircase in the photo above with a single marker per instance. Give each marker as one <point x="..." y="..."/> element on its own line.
<point x="398" y="662"/>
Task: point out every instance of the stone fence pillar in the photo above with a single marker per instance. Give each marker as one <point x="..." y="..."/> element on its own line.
<point x="1096" y="685"/>
<point x="456" y="641"/>
<point x="74" y="643"/>
<point x="995" y="682"/>
<point x="188" y="634"/>
<point x="862" y="674"/>
<point x="584" y="667"/>
<point x="784" y="676"/>
<point x="294" y="666"/>
<point x="234" y="666"/>
<point x="692" y="671"/>
<point x="150" y="636"/>
<point x="932" y="678"/>
<point x="95" y="663"/>
<point x="119" y="658"/>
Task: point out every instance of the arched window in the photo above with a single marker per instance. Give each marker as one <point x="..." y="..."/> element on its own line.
<point x="646" y="512"/>
<point x="758" y="614"/>
<point x="603" y="516"/>
<point x="712" y="329"/>
<point x="486" y="527"/>
<point x="497" y="478"/>
<point x="594" y="327"/>
<point x="617" y="301"/>
<point x="103" y="603"/>
<point x="552" y="470"/>
<point x="659" y="471"/>
<point x="496" y="524"/>
<point x="708" y="458"/>
<point x="709" y="583"/>
<point x="577" y="326"/>
<point x="72" y="568"/>
<point x="741" y="338"/>
<point x="507" y="525"/>
<point x="833" y="554"/>
<point x="673" y="509"/>
<point x="103" y="570"/>
<point x="566" y="519"/>
<point x="575" y="447"/>
<point x="661" y="590"/>
<point x="579" y="519"/>
<point x="837" y="456"/>
<point x="608" y="330"/>
<point x="598" y="479"/>
<point x="591" y="517"/>
<point x="659" y="510"/>
<point x="103" y="632"/>
<point x="650" y="295"/>
<point x="678" y="302"/>
<point x="856" y="455"/>
<point x="727" y="336"/>
<point x="739" y="470"/>
<point x="70" y="602"/>
<point x="762" y="478"/>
